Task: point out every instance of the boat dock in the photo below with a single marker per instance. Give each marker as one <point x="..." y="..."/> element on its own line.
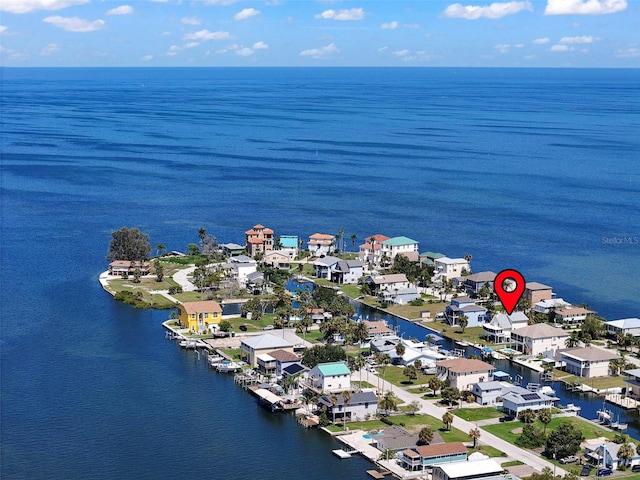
<point x="622" y="401"/>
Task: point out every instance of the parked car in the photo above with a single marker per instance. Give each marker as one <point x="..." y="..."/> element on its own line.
<point x="635" y="468"/>
<point x="269" y="327"/>
<point x="569" y="459"/>
<point x="604" y="472"/>
<point x="507" y="418"/>
<point x="586" y="470"/>
<point x="243" y="328"/>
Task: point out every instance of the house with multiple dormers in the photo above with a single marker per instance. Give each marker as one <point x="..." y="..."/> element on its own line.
<point x="330" y="377"/>
<point x="200" y="317"/>
<point x="623" y="326"/>
<point x="394" y="288"/>
<point x="462" y="373"/>
<point x="357" y="408"/>
<point x="539" y="339"/>
<point x="499" y="329"/>
<point x="370" y="252"/>
<point x="535" y="292"/>
<point x="573" y="315"/>
<point x="252" y="346"/>
<point x="587" y="362"/>
<point x="420" y="457"/>
<point x="476" y="315"/>
<point x="446" y="268"/>
<point x="320" y="244"/>
<point x="399" y="246"/>
<point x="258" y="240"/>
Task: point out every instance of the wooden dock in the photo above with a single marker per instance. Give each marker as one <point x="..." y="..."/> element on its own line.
<point x="622" y="401"/>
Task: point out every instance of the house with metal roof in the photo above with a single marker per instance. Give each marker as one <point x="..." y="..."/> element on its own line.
<point x="487" y="469"/>
<point x="498" y="330"/>
<point x="347" y="272"/>
<point x="252" y="346"/>
<point x="587" y="362"/>
<point x="446" y="268"/>
<point x="428" y="258"/>
<point x="420" y="457"/>
<point x="325" y="266"/>
<point x="623" y="326"/>
<point x="489" y="393"/>
<point x="288" y="245"/>
<point x="516" y="399"/>
<point x="399" y="246"/>
<point x="330" y="377"/>
<point x="358" y="407"/>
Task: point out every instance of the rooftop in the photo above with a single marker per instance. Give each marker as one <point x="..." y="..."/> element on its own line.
<point x="481" y="277"/>
<point x="465" y="365"/>
<point x="625" y="323"/>
<point x="398" y="241"/>
<point x="202" y="307"/>
<point x="451" y="448"/>
<point x="537" y="286"/>
<point x="265" y="341"/>
<point x="463" y="469"/>
<point x="541" y="330"/>
<point x="592" y="354"/>
<point x="334" y="368"/>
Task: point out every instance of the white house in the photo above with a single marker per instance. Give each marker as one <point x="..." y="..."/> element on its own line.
<point x="545" y="306"/>
<point x="242" y="266"/>
<point x="516" y="399"/>
<point x="498" y="330"/>
<point x="253" y="346"/>
<point x="321" y="244"/>
<point x="573" y="315"/>
<point x="476" y="315"/>
<point x="325" y="266"/>
<point x="539" y="339"/>
<point x="623" y="326"/>
<point x="370" y="252"/>
<point x="587" y="362"/>
<point x="330" y="377"/>
<point x="489" y="393"/>
<point x="606" y="455"/>
<point x="394" y="288"/>
<point x="399" y="245"/>
<point x="464" y="372"/>
<point x="469" y="470"/>
<point x="358" y="407"/>
<point x="446" y="268"/>
<point x="347" y="272"/>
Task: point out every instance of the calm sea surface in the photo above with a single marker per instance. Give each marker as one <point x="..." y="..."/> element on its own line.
<point x="537" y="170"/>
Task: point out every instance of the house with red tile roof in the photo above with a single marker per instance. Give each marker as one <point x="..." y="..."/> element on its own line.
<point x="321" y="244"/>
<point x="370" y="252"/>
<point x="258" y="240"/>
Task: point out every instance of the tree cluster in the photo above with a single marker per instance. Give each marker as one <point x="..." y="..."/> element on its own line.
<point x="129" y="244"/>
<point x="323" y="354"/>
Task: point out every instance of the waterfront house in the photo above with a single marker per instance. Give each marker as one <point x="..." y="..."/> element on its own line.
<point x="378" y="328"/>
<point x="399" y="246"/>
<point x="325" y="266"/>
<point x="605" y="454"/>
<point x="427" y="259"/>
<point x="498" y="330"/>
<point x="320" y="244"/>
<point x="420" y="457"/>
<point x="384" y="344"/>
<point x="125" y="267"/>
<point x="489" y="393"/>
<point x="359" y="406"/>
<point x="242" y="266"/>
<point x="396" y="438"/>
<point x="535" y="292"/>
<point x="472" y="284"/>
<point x="469" y="470"/>
<point x="573" y="315"/>
<point x="633" y="383"/>
<point x="255" y="345"/>
<point x="330" y="377"/>
<point x="232" y="249"/>
<point x="200" y="317"/>
<point x="258" y="240"/>
<point x="539" y="339"/>
<point x="394" y="288"/>
<point x="545" y="306"/>
<point x="623" y="326"/>
<point x="288" y="245"/>
<point x="446" y="268"/>
<point x="370" y="252"/>
<point x="284" y="359"/>
<point x="462" y="373"/>
<point x="516" y="399"/>
<point x="347" y="272"/>
<point x="587" y="362"/>
<point x="476" y="315"/>
<point x="277" y="259"/>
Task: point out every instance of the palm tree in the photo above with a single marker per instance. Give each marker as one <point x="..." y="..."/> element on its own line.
<point x="545" y="417"/>
<point x="463" y="321"/>
<point x="334" y="400"/>
<point x="359" y="362"/>
<point x="400" y="349"/>
<point x="434" y="384"/>
<point x="386" y="360"/>
<point x="447" y="419"/>
<point x="426" y="435"/>
<point x="388" y="402"/>
<point x="573" y="340"/>
<point x="429" y="339"/>
<point x="353" y="241"/>
<point x="160" y="248"/>
<point x="339" y="237"/>
<point x="626" y="452"/>
<point x="527" y="416"/>
<point x="475" y="434"/>
<point x="346" y="397"/>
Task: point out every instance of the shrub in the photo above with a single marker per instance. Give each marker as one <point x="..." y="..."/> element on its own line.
<point x="386" y="420"/>
<point x="418" y="302"/>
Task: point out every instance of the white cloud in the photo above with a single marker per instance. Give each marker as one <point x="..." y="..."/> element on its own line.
<point x="24" y="6"/>
<point x="401" y="53"/>
<point x="322" y="52"/>
<point x="529" y="57"/>
<point x="273" y="3"/>
<point x="584" y="7"/>
<point x="571" y="40"/>
<point x="191" y="21"/>
<point x="560" y="48"/>
<point x="146" y="58"/>
<point x="192" y="44"/>
<point x="75" y="24"/>
<point x="173" y="50"/>
<point x="519" y="45"/>
<point x="121" y="10"/>
<point x="382" y="49"/>
<point x="342" y="15"/>
<point x="541" y="41"/>
<point x="3" y="30"/>
<point x="49" y="49"/>
<point x="628" y="53"/>
<point x="495" y="10"/>
<point x="205" y="35"/>
<point x="502" y="47"/>
<point x="389" y="26"/>
<point x="220" y="2"/>
<point x="245" y="52"/>
<point x="260" y="46"/>
<point x="246" y="13"/>
<point x="166" y="33"/>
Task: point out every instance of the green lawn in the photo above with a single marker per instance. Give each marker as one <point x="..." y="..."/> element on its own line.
<point x="396" y="376"/>
<point x="415" y="423"/>
<point x="598" y="382"/>
<point x="362" y="384"/>
<point x="234" y="353"/>
<point x="475" y="414"/>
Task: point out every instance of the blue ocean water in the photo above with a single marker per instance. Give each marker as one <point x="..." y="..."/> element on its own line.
<point x="536" y="170"/>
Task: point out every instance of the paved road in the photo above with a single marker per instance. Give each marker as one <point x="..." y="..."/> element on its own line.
<point x="487" y="438"/>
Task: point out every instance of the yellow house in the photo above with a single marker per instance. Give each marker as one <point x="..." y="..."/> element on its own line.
<point x="200" y="317"/>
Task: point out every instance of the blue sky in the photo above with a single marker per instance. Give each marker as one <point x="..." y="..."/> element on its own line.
<point x="475" y="33"/>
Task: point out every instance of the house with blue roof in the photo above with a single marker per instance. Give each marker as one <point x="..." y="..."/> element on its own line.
<point x="330" y="377"/>
<point x="399" y="246"/>
<point x="289" y="245"/>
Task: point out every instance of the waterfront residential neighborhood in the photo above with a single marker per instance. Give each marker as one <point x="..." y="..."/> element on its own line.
<point x="287" y="322"/>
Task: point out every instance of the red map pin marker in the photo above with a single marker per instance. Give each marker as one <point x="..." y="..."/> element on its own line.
<point x="509" y="286"/>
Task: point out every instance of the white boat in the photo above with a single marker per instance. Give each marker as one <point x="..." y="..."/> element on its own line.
<point x="573" y="408"/>
<point x="547" y="390"/>
<point x="227" y="367"/>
